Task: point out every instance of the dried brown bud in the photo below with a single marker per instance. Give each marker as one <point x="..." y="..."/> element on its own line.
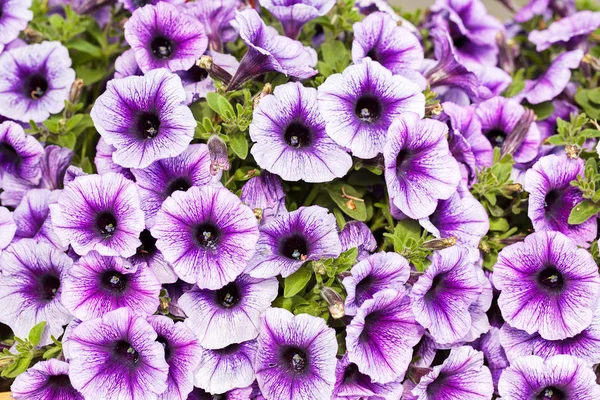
<point x="572" y="151"/>
<point x="334" y="301"/>
<point x="76" y="90"/>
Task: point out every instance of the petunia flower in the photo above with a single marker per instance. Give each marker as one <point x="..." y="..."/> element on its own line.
<point x="99" y="212"/>
<point x="162" y="36"/>
<point x="269" y="51"/>
<point x="294" y="14"/>
<point x="132" y="5"/>
<point x="182" y="354"/>
<point x="207" y="235"/>
<point x="216" y="16"/>
<point x="288" y="241"/>
<point x="380" y="38"/>
<point x="547" y="285"/>
<point x="147" y="253"/>
<point x="8" y="228"/>
<point x="144" y="118"/>
<point x="377" y="272"/>
<point x="228" y="368"/>
<point x="552" y="197"/>
<point x="31" y="287"/>
<point x="461" y="376"/>
<point x="380" y="338"/>
<point x="126" y="65"/>
<point x="264" y="195"/>
<point x="567" y="31"/>
<point x="160" y="179"/>
<point x="559" y="377"/>
<point x="359" y="105"/>
<point x="503" y="124"/>
<point x="358" y="234"/>
<point x="32" y="217"/>
<point x="45" y="380"/>
<point x="419" y="169"/>
<point x="96" y="285"/>
<point x="231" y="314"/>
<point x="197" y="82"/>
<point x="14" y="18"/>
<point x="490" y="344"/>
<point x="295" y="358"/>
<point x="290" y="137"/>
<point x="117" y="356"/>
<point x="443" y="294"/>
<point x="35" y="81"/>
<point x="104" y="161"/>
<point x="20" y="154"/>
<point x="352" y="384"/>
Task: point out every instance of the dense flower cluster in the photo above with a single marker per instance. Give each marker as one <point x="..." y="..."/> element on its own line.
<point x="299" y="200"/>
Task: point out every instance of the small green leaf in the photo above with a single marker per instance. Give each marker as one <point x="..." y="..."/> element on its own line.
<point x="289" y="303"/>
<point x="543" y="110"/>
<point x="35" y="334"/>
<point x="350" y="202"/>
<point x="293" y="284"/>
<point x="220" y="105"/>
<point x="20" y="365"/>
<point x="68" y="140"/>
<point x="499" y="224"/>
<point x="239" y="144"/>
<point x="556" y="140"/>
<point x="583" y="211"/>
<point x="85" y="47"/>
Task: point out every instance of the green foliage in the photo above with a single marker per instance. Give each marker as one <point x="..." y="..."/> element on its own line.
<point x="348" y="199"/>
<point x="335" y="57"/>
<point x="517" y="85"/>
<point x="408" y="240"/>
<point x="588" y="184"/>
<point x="573" y="134"/>
<point x="589" y="100"/>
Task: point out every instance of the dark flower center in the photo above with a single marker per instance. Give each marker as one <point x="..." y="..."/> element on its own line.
<point x="551" y="393"/>
<point x="232" y="348"/>
<point x="461" y="41"/>
<point x="162" y="47"/>
<point x="402" y="158"/>
<point x="48" y="286"/>
<point x="148" y="125"/>
<point x="36" y="86"/>
<point x="148" y="246"/>
<point x="351" y="372"/>
<point x="139" y="3"/>
<point x="228" y="296"/>
<point x="106" y="224"/>
<point x="496" y="137"/>
<point x="114" y="281"/>
<point x="125" y="353"/>
<point x="294" y="247"/>
<point x="372" y="54"/>
<point x="9" y="154"/>
<point x="296" y="359"/>
<point x="436" y="285"/>
<point x="207" y="236"/>
<point x="552" y="199"/>
<point x="368" y="109"/>
<point x="165" y="343"/>
<point x="363" y="288"/>
<point x="550" y="278"/>
<point x="59" y="381"/>
<point x="178" y="184"/>
<point x="195" y="74"/>
<point x="297" y="135"/>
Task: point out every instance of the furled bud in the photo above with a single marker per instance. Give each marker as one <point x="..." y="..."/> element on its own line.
<point x="439" y="244"/>
<point x="215" y="72"/>
<point x="334" y="301"/>
<point x="217" y="149"/>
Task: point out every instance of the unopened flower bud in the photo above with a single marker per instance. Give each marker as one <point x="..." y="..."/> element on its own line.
<point x="215" y="72"/>
<point x="319" y="268"/>
<point x="439" y="244"/>
<point x="572" y="151"/>
<point x="267" y="90"/>
<point x="432" y="110"/>
<point x="76" y="89"/>
<point x="217" y="149"/>
<point x="334" y="301"/>
<point x="592" y="61"/>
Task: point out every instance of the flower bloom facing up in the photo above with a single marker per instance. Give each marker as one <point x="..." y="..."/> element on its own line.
<point x="360" y="104"/>
<point x="290" y="137"/>
<point x="35" y="81"/>
<point x="207" y="235"/>
<point x="99" y="213"/>
<point x="162" y="36"/>
<point x="144" y="118"/>
<point x="288" y="241"/>
<point x="116" y="357"/>
<point x="547" y="285"/>
<point x="295" y="356"/>
<point x="46" y="380"/>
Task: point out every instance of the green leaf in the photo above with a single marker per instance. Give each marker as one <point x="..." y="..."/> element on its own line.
<point x="52" y="352"/>
<point x="86" y="165"/>
<point x="404" y="231"/>
<point x="239" y="144"/>
<point x="543" y="110"/>
<point x="90" y="74"/>
<point x="85" y="47"/>
<point x="517" y="85"/>
<point x="293" y="284"/>
<point x="556" y="140"/>
<point x="352" y="207"/>
<point x="289" y="303"/>
<point x="594" y="95"/>
<point x="220" y="105"/>
<point x="20" y="365"/>
<point x="68" y="140"/>
<point x="35" y="334"/>
<point x="499" y="224"/>
<point x="583" y="211"/>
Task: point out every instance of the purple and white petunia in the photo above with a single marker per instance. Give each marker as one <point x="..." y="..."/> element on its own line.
<point x="99" y="212"/>
<point x="268" y="51"/>
<point x="358" y="234"/>
<point x="231" y="314"/>
<point x="419" y="169"/>
<point x="228" y="368"/>
<point x="46" y="380"/>
<point x="197" y="82"/>
<point x="264" y="195"/>
<point x="32" y="217"/>
<point x="547" y="285"/>
<point x="380" y="337"/>
<point x="182" y="353"/>
<point x="552" y="197"/>
<point x="216" y="16"/>
<point x="442" y="296"/>
<point x="290" y="137"/>
<point x="566" y="31"/>
<point x="288" y="241"/>
<point x="295" y="358"/>
<point x="104" y="161"/>
<point x="144" y="118"/>
<point x="126" y="65"/>
<point x="559" y="377"/>
<point x="377" y="272"/>
<point x="380" y="38"/>
<point x="35" y="81"/>
<point x="293" y="14"/>
<point x="31" y="286"/>
<point x="14" y="17"/>
<point x="461" y="376"/>
<point x="360" y="104"/>
<point x="162" y="36"/>
<point x="163" y="177"/>
<point x="207" y="235"/>
<point x="352" y="384"/>
<point x="20" y="154"/>
<point x="8" y="228"/>
<point x="133" y="5"/>
<point x="117" y="356"/>
<point x="148" y="253"/>
<point x="494" y="352"/>
<point x="96" y="285"/>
